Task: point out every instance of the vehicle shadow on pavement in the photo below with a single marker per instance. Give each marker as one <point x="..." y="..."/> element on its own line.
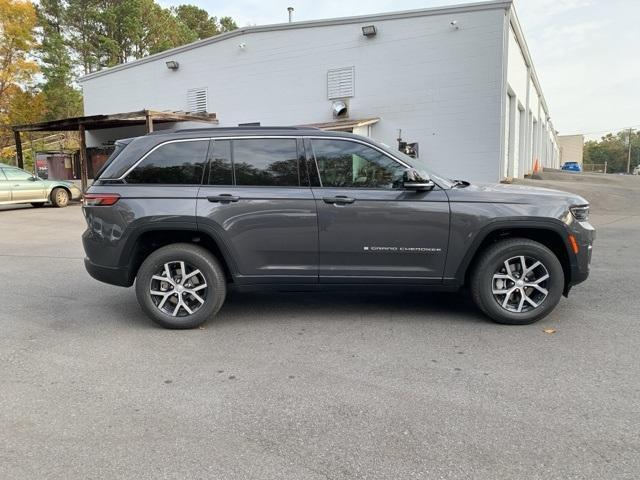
<point x="349" y="306"/>
<point x="353" y="306"/>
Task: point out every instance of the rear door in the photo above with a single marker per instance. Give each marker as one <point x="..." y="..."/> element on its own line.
<point x="257" y="203"/>
<point x="160" y="188"/>
<point x="371" y="230"/>
<point x="24" y="186"/>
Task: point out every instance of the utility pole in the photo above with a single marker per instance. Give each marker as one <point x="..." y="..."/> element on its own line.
<point x="629" y="155"/>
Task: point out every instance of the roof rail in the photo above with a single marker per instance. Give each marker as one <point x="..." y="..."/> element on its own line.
<point x="219" y="129"/>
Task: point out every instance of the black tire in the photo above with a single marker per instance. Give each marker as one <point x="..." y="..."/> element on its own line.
<point x="490" y="263"/>
<point x="193" y="256"/>
<point x="59" y="197"/>
<point x="37" y="204"/>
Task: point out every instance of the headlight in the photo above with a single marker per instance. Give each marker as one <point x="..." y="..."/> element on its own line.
<point x="580" y="212"/>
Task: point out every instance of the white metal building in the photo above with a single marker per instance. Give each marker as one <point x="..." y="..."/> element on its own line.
<point x="459" y="81"/>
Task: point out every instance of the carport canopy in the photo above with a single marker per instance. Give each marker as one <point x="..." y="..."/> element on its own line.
<point x="97" y="122"/>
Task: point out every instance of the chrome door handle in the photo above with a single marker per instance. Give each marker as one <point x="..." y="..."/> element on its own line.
<point x="338" y="199"/>
<point x="223" y="198"/>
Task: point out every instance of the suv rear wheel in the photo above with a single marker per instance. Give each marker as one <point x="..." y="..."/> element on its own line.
<point x="180" y="286"/>
<point x="517" y="281"/>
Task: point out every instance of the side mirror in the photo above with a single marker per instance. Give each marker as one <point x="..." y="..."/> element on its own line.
<point x="413" y="179"/>
<point x="33" y="178"/>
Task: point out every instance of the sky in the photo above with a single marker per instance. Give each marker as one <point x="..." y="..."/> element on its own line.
<point x="586" y="52"/>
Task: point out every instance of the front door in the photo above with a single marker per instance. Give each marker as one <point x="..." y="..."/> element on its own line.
<point x="371" y="230"/>
<point x="256" y="201"/>
<point x="24" y="186"/>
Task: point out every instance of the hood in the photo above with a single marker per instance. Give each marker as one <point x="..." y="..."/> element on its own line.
<point x="506" y="193"/>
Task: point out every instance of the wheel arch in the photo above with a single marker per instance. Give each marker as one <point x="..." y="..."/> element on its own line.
<point x="59" y="186"/>
<point x="549" y="234"/>
<point x="151" y="239"/>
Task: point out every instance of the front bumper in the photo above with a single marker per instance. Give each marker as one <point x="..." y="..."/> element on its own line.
<point x="585" y="234"/>
<point x="76" y="193"/>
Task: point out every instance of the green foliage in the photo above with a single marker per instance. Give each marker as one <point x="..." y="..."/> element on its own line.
<point x="199" y="22"/>
<point x="104" y="33"/>
<point x="61" y="99"/>
<point x="614" y="150"/>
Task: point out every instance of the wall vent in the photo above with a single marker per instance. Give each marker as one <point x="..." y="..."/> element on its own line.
<point x="197" y="100"/>
<point x="341" y="83"/>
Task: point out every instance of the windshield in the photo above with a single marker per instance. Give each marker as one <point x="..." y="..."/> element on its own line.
<point x="419" y="164"/>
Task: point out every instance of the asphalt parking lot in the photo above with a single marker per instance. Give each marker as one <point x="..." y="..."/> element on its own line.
<point x="316" y="386"/>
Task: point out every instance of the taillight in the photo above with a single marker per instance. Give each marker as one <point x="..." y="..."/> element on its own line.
<point x="100" y="199"/>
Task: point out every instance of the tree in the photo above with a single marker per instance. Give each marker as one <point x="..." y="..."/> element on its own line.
<point x="614" y="150"/>
<point x="227" y="24"/>
<point x="17" y="23"/>
<point x="197" y="20"/>
<point x="82" y="21"/>
<point x="17" y="41"/>
<point x="201" y="23"/>
<point x="60" y="97"/>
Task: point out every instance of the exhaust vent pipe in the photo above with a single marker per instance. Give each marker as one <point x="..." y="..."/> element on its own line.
<point x="339" y="109"/>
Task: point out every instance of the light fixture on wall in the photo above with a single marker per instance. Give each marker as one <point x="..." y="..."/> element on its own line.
<point x="369" y="31"/>
<point x="172" y="65"/>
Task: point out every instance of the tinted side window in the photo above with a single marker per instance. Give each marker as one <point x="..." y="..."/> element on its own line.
<point x="346" y="164"/>
<point x="269" y="162"/>
<point x="220" y="171"/>
<point x="172" y="163"/>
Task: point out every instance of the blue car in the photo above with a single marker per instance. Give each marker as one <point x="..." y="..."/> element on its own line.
<point x="571" y="167"/>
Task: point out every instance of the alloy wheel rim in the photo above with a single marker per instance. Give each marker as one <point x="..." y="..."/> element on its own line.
<point x="61" y="197"/>
<point x="178" y="289"/>
<point x="520" y="284"/>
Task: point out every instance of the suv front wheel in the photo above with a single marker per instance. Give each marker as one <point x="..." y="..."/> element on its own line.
<point x="517" y="281"/>
<point x="180" y="286"/>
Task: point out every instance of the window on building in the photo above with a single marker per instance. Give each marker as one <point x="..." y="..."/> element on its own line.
<point x="342" y="163"/>
<point x="172" y="163"/>
<point x="269" y="162"/>
<point x="220" y="171"/>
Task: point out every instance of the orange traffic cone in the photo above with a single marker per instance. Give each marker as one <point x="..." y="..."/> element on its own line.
<point x="536" y="166"/>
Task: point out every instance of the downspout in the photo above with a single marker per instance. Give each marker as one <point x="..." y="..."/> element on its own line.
<point x="504" y="63"/>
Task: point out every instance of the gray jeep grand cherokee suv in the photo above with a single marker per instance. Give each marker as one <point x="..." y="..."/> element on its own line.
<point x="188" y="214"/>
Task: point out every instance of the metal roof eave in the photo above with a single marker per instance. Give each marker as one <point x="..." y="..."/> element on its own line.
<point x="97" y="122"/>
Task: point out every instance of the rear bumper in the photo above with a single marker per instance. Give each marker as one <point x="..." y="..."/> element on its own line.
<point x="113" y="275"/>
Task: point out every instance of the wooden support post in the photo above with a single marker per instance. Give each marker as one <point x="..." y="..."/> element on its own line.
<point x="83" y="159"/>
<point x="19" y="158"/>
<point x="149" y="122"/>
